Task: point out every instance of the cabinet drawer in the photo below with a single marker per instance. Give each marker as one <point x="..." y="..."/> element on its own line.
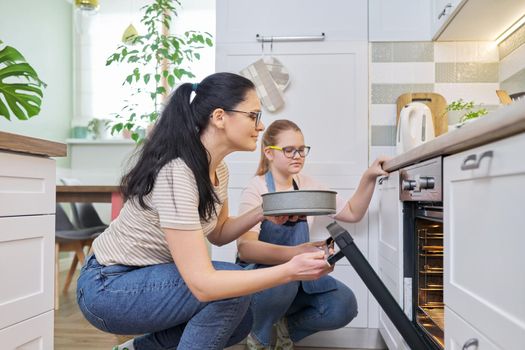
<point x="33" y="334"/>
<point x="459" y="334"/>
<point x="27" y="185"/>
<point x="26" y="267"/>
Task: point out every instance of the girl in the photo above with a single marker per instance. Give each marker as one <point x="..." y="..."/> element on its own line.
<point x="303" y="308"/>
<point x="151" y="272"/>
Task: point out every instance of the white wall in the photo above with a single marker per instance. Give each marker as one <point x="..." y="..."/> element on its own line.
<point x="41" y="31"/>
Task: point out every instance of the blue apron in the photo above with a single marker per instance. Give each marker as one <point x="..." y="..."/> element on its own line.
<point x="292" y="234"/>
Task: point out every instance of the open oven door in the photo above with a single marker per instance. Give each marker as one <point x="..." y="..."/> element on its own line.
<point x="349" y="249"/>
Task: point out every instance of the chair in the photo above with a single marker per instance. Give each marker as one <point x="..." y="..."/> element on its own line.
<point x="84" y="214"/>
<point x="69" y="238"/>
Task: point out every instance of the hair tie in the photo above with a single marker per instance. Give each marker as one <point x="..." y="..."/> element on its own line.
<point x="194" y="86"/>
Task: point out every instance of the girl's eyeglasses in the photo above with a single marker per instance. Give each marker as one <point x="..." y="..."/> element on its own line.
<point x="290" y="151"/>
<point x="254" y="115"/>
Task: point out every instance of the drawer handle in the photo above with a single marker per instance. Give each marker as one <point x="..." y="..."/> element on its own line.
<point x="444" y="12"/>
<point x="469" y="343"/>
<point x="382" y="179"/>
<point x="470" y="162"/>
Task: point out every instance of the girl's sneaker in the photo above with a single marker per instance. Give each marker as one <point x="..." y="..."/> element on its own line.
<point x="253" y="344"/>
<point x="283" y="341"/>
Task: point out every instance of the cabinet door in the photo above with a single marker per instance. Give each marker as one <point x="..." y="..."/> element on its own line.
<point x="484" y="239"/>
<point x="460" y="335"/>
<point x="33" y="334"/>
<point x="400" y="20"/>
<point x="390" y="252"/>
<point x="442" y="12"/>
<point x="26" y="267"/>
<point x="27" y="185"/>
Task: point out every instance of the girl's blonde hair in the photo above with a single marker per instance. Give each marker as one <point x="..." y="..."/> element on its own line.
<point x="269" y="138"/>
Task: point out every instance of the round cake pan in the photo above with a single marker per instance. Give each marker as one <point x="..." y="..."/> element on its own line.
<point x="300" y="202"/>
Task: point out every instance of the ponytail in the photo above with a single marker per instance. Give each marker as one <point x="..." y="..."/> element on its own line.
<point x="177" y="135"/>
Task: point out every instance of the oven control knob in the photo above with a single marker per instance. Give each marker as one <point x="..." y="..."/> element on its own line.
<point x="408" y="185"/>
<point x="427" y="182"/>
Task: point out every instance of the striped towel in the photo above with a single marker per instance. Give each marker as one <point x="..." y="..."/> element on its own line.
<point x="270" y="79"/>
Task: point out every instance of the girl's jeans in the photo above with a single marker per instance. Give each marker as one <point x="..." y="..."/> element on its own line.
<point x="306" y="313"/>
<point x="155" y="301"/>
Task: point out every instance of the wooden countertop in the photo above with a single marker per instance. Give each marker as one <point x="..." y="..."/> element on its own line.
<point x="501" y="123"/>
<point x="25" y="144"/>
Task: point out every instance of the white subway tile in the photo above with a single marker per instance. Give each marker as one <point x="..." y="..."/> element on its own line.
<point x="478" y="92"/>
<point x="383" y="114"/>
<point x="402" y="72"/>
<point x="376" y="151"/>
<point x="466" y="51"/>
<point x="445" y="51"/>
<point x="487" y="51"/>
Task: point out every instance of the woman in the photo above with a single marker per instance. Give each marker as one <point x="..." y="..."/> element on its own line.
<point x="151" y="273"/>
<point x="302" y="308"/>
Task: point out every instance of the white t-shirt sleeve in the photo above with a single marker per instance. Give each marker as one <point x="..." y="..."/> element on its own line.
<point x="176" y="197"/>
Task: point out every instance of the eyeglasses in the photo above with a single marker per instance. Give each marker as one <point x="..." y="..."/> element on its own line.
<point x="290" y="151"/>
<point x="254" y="115"/>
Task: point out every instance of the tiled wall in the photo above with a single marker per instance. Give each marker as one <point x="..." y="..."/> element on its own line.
<point x="468" y="70"/>
<point x="512" y="65"/>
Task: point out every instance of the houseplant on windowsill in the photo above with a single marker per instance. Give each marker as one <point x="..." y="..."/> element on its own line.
<point x="158" y="61"/>
<point x="20" y="87"/>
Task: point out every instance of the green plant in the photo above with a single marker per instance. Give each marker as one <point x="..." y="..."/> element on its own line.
<point x="468" y="108"/>
<point x="19" y="85"/>
<point x="96" y="126"/>
<point x="159" y="60"/>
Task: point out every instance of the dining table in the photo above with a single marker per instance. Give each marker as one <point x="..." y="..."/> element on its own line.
<point x="91" y="194"/>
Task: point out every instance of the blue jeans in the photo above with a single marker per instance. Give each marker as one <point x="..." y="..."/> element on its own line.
<point x="306" y="313"/>
<point x="155" y="301"/>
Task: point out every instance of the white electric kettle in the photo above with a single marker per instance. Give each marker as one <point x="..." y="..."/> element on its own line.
<point x="415" y="126"/>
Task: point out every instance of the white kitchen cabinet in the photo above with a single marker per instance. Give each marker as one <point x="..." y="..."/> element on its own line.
<point x="460" y="335"/>
<point x="240" y="20"/>
<point x="400" y="20"/>
<point x="484" y="239"/>
<point x="27" y="241"/>
<point x="442" y="12"/>
<point x="390" y="253"/>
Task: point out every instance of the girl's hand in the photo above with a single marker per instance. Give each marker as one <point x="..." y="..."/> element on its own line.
<point x="309" y="266"/>
<point x="310" y="247"/>
<point x="376" y="168"/>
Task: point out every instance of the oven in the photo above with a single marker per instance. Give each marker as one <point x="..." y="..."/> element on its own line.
<point x="422" y="196"/>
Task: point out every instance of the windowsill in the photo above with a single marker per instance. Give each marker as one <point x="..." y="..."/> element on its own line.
<point x="100" y="142"/>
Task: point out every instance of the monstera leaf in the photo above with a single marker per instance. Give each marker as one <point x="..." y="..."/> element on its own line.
<point x="20" y="87"/>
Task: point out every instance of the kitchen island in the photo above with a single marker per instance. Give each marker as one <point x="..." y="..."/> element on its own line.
<point x="27" y="240"/>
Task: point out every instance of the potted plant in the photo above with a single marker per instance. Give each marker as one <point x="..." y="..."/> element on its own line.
<point x="159" y="60"/>
<point x="20" y="86"/>
<point x="467" y="111"/>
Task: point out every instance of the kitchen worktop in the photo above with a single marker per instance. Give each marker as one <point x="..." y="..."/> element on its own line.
<point x="25" y="144"/>
<point x="503" y="122"/>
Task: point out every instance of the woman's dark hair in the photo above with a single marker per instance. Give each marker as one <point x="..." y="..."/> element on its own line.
<point x="177" y="132"/>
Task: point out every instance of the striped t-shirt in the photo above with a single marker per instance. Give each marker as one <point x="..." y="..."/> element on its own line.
<point x="135" y="237"/>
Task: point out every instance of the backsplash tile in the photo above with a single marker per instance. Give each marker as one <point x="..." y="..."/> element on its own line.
<point x="383" y="135"/>
<point x="510" y="44"/>
<point x="388" y="93"/>
<point x="417" y="51"/>
<point x="464" y="72"/>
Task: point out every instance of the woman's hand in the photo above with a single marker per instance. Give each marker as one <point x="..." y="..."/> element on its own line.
<point x="376" y="168"/>
<point x="309" y="266"/>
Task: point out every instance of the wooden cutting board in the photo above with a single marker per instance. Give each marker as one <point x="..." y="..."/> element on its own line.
<point x="436" y="103"/>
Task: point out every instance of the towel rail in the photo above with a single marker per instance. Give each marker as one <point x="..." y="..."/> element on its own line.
<point x="272" y="39"/>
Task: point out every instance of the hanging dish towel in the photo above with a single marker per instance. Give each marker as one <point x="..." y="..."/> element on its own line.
<point x="270" y="79"/>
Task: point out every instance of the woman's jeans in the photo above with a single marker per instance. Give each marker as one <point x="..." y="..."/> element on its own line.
<point x="155" y="301"/>
<point x="306" y="313"/>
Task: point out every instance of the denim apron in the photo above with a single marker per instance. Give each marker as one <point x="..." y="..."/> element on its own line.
<point x="292" y="234"/>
